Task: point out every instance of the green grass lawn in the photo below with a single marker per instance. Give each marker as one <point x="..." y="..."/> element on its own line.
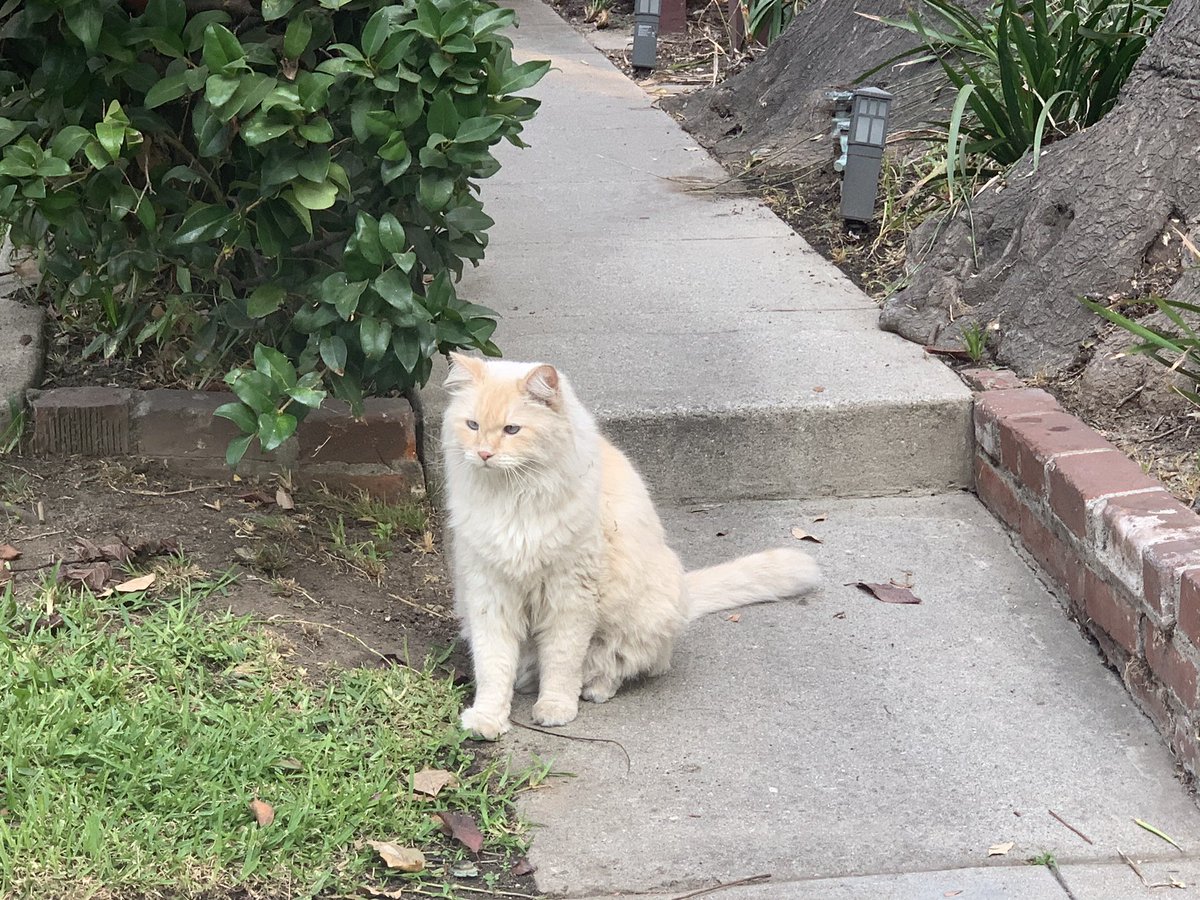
<point x="135" y="734"/>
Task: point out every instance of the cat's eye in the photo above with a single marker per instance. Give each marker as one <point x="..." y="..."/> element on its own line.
<point x="472" y="424"/>
<point x="511" y="429"/>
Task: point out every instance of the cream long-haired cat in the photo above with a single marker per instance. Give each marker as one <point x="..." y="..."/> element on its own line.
<point x="563" y="577"/>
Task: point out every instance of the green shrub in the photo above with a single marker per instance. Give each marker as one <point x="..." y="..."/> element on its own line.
<point x="1029" y="72"/>
<point x="297" y="178"/>
<point x="765" y="20"/>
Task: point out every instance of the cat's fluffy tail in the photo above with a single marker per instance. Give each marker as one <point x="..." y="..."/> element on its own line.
<point x="757" y="578"/>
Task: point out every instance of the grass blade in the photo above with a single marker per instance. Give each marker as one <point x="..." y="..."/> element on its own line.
<point x="1154" y="831"/>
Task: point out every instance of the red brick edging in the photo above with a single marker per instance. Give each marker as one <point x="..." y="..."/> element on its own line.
<point x="377" y="453"/>
<point x="1125" y="552"/>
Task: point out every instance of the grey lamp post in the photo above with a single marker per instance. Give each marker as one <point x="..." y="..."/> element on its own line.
<point x="646" y="14"/>
<point x="864" y="153"/>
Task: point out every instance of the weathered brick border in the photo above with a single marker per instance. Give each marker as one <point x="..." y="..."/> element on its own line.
<point x="377" y="453"/>
<point x="1124" y="551"/>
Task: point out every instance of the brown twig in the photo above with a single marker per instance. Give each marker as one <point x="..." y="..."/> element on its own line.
<point x="577" y="737"/>
<point x="753" y="879"/>
<point x="188" y="490"/>
<point x="419" y="607"/>
<point x="1069" y="825"/>
<point x="1138" y="872"/>
<point x="343" y="633"/>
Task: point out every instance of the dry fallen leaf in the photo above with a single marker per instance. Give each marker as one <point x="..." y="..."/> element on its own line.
<point x="431" y="781"/>
<point x="135" y="584"/>
<point x="821" y="518"/>
<point x="818" y="389"/>
<point x="523" y="867"/>
<point x="92" y="575"/>
<point x="462" y="828"/>
<point x="1000" y="849"/>
<point x="406" y="859"/>
<point x="801" y="535"/>
<point x="8" y="552"/>
<point x="888" y="593"/>
<point x="284" y="499"/>
<point x="264" y="813"/>
<point x="397" y="894"/>
<point x="840" y="615"/>
<point x="734" y="617"/>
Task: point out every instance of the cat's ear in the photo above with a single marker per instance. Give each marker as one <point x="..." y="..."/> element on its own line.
<point x="542" y="384"/>
<point x="464" y="370"/>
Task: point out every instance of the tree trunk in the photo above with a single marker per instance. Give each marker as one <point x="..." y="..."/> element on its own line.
<point x="778" y="102"/>
<point x="1098" y="217"/>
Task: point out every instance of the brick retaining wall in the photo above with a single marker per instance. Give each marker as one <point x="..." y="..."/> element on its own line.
<point x="377" y="453"/>
<point x="1124" y="552"/>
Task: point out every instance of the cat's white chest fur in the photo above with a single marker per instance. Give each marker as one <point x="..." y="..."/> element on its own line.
<point x="522" y="537"/>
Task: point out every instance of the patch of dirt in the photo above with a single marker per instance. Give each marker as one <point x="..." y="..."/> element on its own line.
<point x="702" y="57"/>
<point x="1162" y="443"/>
<point x="330" y="605"/>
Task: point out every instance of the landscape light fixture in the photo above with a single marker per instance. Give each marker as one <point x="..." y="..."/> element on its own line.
<point x="864" y="153"/>
<point x="843" y="103"/>
<point x="646" y="14"/>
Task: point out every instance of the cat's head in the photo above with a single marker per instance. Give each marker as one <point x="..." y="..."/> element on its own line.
<point x="505" y="415"/>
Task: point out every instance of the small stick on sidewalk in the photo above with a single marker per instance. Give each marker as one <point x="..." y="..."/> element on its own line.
<point x="753" y="879"/>
<point x="1069" y="825"/>
<point x="1150" y="884"/>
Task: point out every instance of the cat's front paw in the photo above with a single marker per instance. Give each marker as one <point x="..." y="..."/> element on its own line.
<point x="555" y="711"/>
<point x="483" y="725"/>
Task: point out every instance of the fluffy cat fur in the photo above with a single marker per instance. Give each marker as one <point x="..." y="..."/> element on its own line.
<point x="563" y="577"/>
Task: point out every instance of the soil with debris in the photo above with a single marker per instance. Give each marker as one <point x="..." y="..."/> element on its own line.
<point x="1163" y="443"/>
<point x="703" y="56"/>
<point x="330" y="604"/>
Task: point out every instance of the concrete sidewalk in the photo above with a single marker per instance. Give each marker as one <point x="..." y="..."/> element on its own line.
<point x="730" y="358"/>
<point x="843" y="747"/>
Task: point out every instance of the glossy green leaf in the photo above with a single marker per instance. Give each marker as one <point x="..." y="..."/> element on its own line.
<point x="396" y="290"/>
<point x="274" y="365"/>
<point x="221" y="48"/>
<point x="315" y="196"/>
<point x="479" y="128"/>
<point x="333" y="353"/>
<point x="172" y="87"/>
<point x="203" y="223"/>
<point x="275" y="428"/>
<point x="255" y="390"/>
<point x="297" y="36"/>
<point x="434" y="193"/>
<point x="375" y="335"/>
<point x="240" y="415"/>
<point x="276" y="9"/>
<point x="391" y="234"/>
<point x="264" y="300"/>
<point x="86" y="21"/>
<point x="237" y="449"/>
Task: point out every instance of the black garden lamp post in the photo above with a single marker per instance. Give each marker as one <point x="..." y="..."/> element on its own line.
<point x="646" y="15"/>
<point x="864" y="153"/>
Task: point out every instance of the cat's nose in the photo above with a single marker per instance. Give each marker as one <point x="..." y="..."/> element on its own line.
<point x="485" y="455"/>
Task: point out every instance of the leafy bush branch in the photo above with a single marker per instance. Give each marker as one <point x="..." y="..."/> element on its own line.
<point x="298" y="178"/>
